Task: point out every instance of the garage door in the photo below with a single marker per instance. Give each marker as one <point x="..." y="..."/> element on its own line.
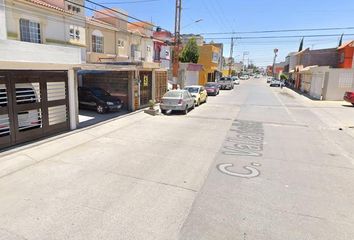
<point x="33" y="104"/>
<point x="116" y="83"/>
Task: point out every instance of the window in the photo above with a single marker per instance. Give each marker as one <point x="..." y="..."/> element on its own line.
<point x="74" y="33"/>
<point x="97" y="44"/>
<point x="148" y="48"/>
<point x="77" y="34"/>
<point x="30" y="31"/>
<point x="120" y="43"/>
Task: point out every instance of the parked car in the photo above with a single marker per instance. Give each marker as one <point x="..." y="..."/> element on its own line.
<point x="275" y="83"/>
<point x="98" y="99"/>
<point x="226" y="83"/>
<point x="177" y="100"/>
<point x="349" y="97"/>
<point x="28" y="119"/>
<point x="199" y="93"/>
<point x="245" y="77"/>
<point x="212" y="88"/>
<point x="269" y="79"/>
<point x="235" y="80"/>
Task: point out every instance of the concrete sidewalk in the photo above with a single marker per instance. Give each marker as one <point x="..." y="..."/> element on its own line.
<point x="130" y="178"/>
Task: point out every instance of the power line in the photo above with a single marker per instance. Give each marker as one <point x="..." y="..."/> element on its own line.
<point x="279" y="31"/>
<point x="290" y="36"/>
<point x="126" y="2"/>
<point x="79" y="19"/>
<point x="113" y="10"/>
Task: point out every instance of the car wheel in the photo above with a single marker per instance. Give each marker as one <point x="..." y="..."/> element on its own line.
<point x="353" y="104"/>
<point x="100" y="109"/>
<point x="185" y="111"/>
<point x="163" y="111"/>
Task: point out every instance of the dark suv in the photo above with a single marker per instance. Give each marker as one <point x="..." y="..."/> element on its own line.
<point x="98" y="99"/>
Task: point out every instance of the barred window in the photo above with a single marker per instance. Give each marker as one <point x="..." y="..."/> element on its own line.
<point x="97" y="44"/>
<point x="30" y="31"/>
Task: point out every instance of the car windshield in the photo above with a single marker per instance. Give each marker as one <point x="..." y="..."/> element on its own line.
<point x="173" y="94"/>
<point x="192" y="89"/>
<point x="100" y="92"/>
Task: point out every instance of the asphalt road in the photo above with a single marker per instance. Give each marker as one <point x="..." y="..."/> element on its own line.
<point x="252" y="163"/>
<point x="281" y="173"/>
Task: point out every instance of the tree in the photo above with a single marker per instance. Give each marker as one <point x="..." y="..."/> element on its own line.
<point x="190" y="52"/>
<point x="283" y="77"/>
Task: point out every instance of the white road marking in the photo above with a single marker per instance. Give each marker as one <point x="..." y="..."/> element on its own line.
<point x="286" y="108"/>
<point x="253" y="172"/>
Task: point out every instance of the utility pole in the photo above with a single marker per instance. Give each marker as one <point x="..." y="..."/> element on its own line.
<point x="274" y="60"/>
<point x="231" y="53"/>
<point x="177" y="42"/>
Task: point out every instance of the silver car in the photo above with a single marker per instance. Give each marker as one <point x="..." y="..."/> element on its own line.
<point x="177" y="100"/>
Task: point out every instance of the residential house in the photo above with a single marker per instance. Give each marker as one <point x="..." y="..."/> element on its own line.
<point x="345" y="55"/>
<point x="162" y="49"/>
<point x="120" y="56"/>
<point x="41" y="44"/>
<point x="107" y="37"/>
<point x="209" y="57"/>
<point x="186" y="37"/>
<point x="320" y="57"/>
<point x="235" y="66"/>
<point x="189" y="74"/>
<point x="218" y="73"/>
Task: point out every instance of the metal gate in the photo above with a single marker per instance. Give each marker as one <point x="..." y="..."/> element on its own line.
<point x="33" y="104"/>
<point x="145" y="87"/>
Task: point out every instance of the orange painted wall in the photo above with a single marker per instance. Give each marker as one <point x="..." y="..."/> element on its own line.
<point x="348" y="57"/>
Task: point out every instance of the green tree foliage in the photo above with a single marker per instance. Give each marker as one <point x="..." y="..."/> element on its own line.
<point x="190" y="52"/>
<point x="283" y="77"/>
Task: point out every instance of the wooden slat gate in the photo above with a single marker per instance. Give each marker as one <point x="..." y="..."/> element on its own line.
<point x="33" y="104"/>
<point x="160" y="85"/>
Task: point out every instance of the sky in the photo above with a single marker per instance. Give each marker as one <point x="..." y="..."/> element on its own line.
<point x="250" y="15"/>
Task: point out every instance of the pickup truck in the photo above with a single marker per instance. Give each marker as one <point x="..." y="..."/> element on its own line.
<point x="226" y="83"/>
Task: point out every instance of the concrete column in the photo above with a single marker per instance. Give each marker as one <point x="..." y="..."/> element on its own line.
<point x="73" y="99"/>
<point x="153" y="85"/>
<point x="3" y="29"/>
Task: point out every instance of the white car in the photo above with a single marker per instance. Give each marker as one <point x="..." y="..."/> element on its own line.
<point x="244" y="77"/>
<point x="235" y="80"/>
<point x="177" y="100"/>
<point x="270" y="79"/>
<point x="25" y="94"/>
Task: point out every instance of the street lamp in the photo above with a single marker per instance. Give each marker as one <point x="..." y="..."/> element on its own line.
<point x="196" y="21"/>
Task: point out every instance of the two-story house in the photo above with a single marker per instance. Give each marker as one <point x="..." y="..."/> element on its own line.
<point x="41" y="43"/>
<point x="120" y="58"/>
<point x="209" y="57"/>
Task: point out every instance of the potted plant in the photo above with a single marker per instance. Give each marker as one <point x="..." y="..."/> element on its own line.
<point x="151" y="110"/>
